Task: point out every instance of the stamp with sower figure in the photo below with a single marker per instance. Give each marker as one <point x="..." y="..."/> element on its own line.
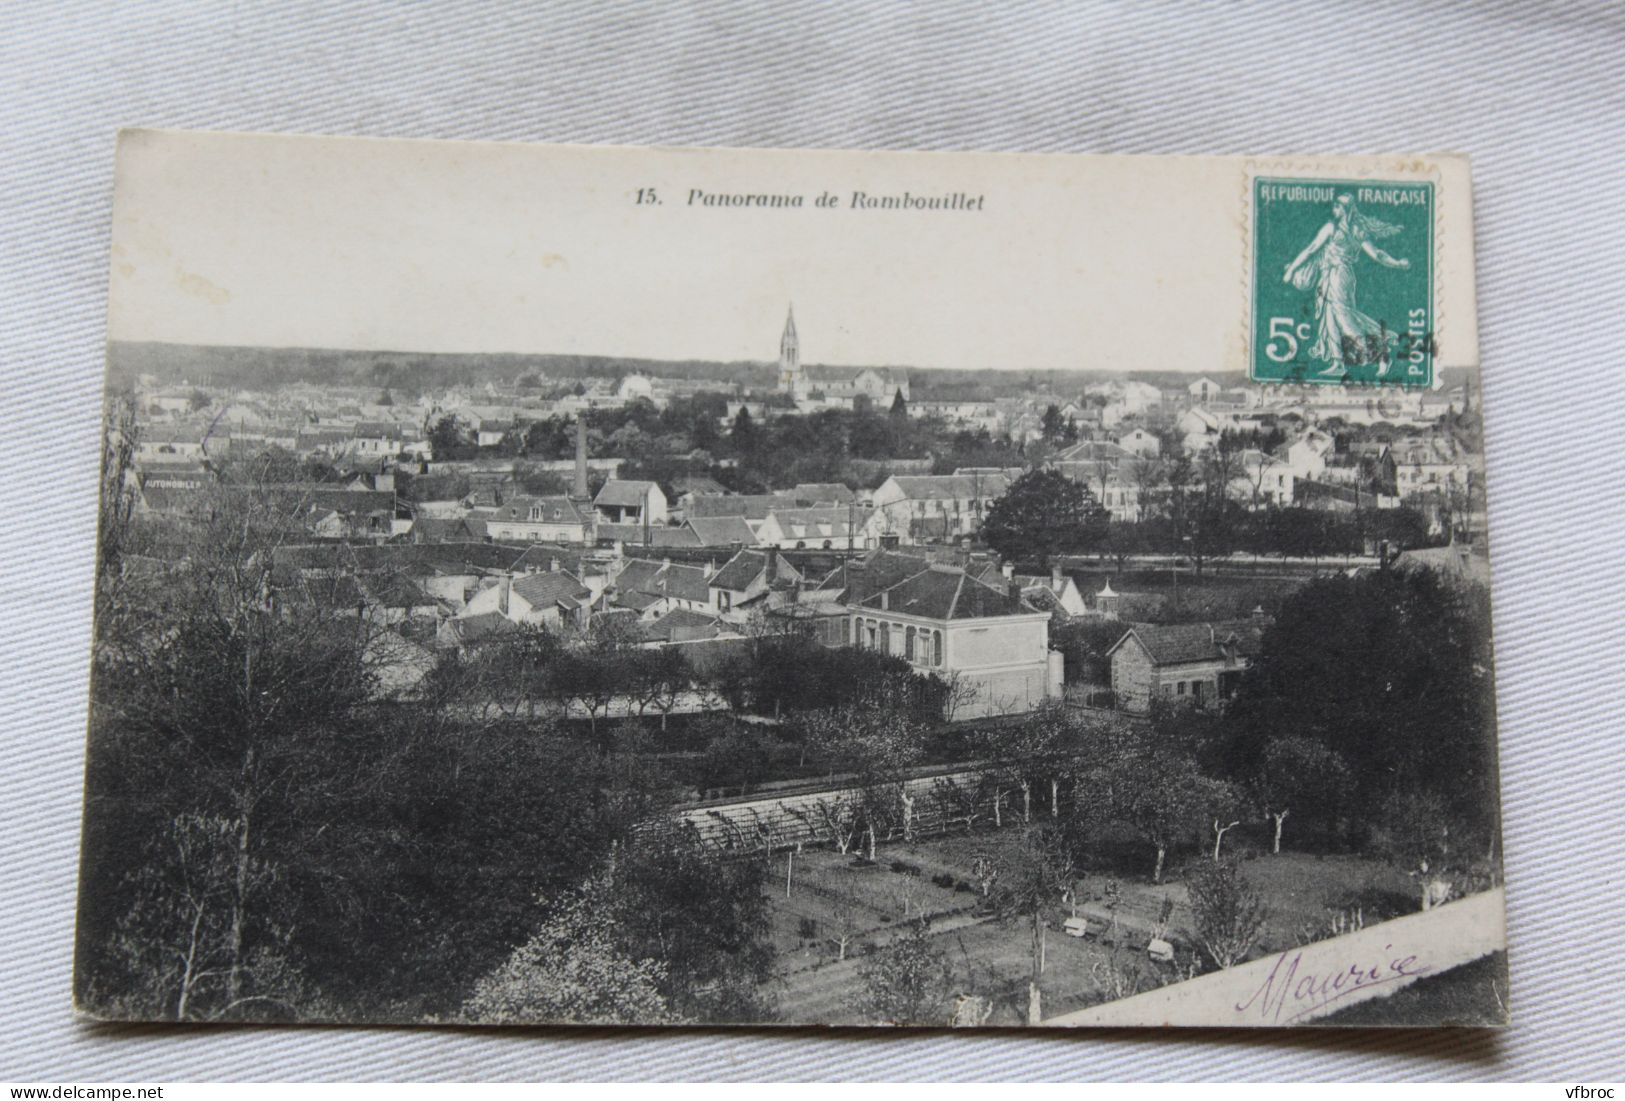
<point x="1342" y="287"/>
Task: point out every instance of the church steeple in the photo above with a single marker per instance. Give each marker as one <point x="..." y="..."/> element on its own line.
<point x="790" y="355"/>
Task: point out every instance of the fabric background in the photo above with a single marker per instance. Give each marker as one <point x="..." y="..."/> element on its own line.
<point x="1535" y="94"/>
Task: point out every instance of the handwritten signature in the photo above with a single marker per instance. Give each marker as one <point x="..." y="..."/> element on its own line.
<point x="1292" y="991"/>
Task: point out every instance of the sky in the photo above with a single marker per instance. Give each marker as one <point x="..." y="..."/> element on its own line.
<point x="1091" y="263"/>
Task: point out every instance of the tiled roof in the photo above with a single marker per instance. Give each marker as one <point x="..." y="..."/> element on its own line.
<point x="720" y="531"/>
<point x="1011" y="472"/>
<point x="541" y="556"/>
<point x="750" y="506"/>
<point x="946" y="592"/>
<point x="684" y="583"/>
<point x="819" y="523"/>
<point x="688" y="617"/>
<point x="543" y="590"/>
<point x="619" y="494"/>
<point x="878" y="570"/>
<point x="819" y="493"/>
<point x="659" y="579"/>
<point x="550" y="510"/>
<point x="745" y="567"/>
<point x="930" y="487"/>
<point x="683" y="624"/>
<point x="658" y="535"/>
<point x="637" y="573"/>
<point x="1182" y="643"/>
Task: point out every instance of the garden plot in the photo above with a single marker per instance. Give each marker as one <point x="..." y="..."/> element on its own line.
<point x="833" y="898"/>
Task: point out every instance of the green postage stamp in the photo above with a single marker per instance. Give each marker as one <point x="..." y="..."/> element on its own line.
<point x="1342" y="289"/>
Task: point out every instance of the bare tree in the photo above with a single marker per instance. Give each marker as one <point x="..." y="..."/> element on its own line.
<point x="837" y="821"/>
<point x="1148" y="476"/>
<point x="1036" y="870"/>
<point x="843" y="924"/>
<point x="957" y="800"/>
<point x="1227" y="804"/>
<point x="961" y="693"/>
<point x="667" y="677"/>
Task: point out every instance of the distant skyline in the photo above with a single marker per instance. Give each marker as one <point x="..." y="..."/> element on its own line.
<point x="657" y="361"/>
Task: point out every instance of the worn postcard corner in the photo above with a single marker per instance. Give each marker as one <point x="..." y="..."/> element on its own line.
<point x="568" y="585"/>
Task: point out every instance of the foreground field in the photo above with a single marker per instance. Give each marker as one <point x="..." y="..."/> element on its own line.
<point x="840" y="910"/>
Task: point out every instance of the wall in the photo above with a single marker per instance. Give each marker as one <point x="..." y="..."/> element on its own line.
<point x="975" y="644"/>
<point x="1133" y="676"/>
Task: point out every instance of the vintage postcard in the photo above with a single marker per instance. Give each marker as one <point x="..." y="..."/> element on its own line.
<point x="585" y="585"/>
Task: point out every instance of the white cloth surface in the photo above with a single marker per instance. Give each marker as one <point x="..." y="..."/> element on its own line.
<point x="1535" y="93"/>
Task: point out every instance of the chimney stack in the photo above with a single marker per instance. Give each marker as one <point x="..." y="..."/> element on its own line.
<point x="553" y="565"/>
<point x="579" y="492"/>
<point x="1008" y="569"/>
<point x="1055" y="578"/>
<point x="772" y="565"/>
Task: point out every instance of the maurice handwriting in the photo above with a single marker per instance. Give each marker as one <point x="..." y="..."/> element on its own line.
<point x="1291" y="991"/>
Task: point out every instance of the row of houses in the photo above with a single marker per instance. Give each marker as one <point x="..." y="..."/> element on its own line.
<point x="214" y="439"/>
<point x="906" y="509"/>
<point x="1124" y="476"/>
<point x="976" y="628"/>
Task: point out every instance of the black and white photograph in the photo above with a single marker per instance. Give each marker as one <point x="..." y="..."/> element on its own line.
<point x="553" y="585"/>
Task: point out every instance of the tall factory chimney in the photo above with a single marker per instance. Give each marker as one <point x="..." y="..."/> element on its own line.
<point x="579" y="492"/>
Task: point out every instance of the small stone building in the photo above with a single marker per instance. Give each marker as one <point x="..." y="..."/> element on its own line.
<point x="1195" y="663"/>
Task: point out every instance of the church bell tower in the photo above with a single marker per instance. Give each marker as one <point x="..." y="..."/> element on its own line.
<point x="790" y="378"/>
